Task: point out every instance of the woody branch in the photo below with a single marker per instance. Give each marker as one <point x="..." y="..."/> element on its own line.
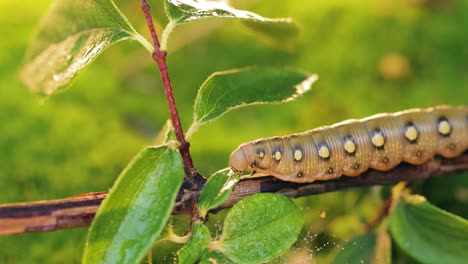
<point x="79" y="210"/>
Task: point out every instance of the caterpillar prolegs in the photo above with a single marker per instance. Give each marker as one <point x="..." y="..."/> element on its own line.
<point x="351" y="147"/>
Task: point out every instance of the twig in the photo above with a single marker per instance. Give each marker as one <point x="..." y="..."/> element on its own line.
<point x="160" y="57"/>
<point x="381" y="214"/>
<point x="79" y="210"/>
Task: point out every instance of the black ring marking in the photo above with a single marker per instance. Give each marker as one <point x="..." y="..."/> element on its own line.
<point x="411" y="124"/>
<point x="441" y="119"/>
<point x="351" y="138"/>
<point x="324" y="144"/>
<point x="378" y="131"/>
<point x="298" y="147"/>
<point x="259" y="152"/>
<point x="276" y="149"/>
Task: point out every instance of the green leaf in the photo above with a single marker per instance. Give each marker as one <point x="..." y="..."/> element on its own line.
<point x="427" y="233"/>
<point x="216" y="191"/>
<point x="70" y="36"/>
<point x="368" y="248"/>
<point x="136" y="208"/>
<point x="228" y="90"/>
<point x="260" y="228"/>
<point x="188" y="11"/>
<point x="197" y="244"/>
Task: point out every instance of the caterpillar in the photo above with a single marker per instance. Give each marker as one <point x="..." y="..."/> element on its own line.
<point x="351" y="147"/>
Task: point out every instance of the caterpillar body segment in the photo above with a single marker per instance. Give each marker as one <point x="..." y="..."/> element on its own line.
<point x="351" y="147"/>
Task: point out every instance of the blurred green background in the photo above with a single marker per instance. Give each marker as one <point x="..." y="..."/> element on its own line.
<point x="371" y="56"/>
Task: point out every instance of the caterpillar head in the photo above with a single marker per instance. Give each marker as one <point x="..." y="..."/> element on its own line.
<point x="243" y="158"/>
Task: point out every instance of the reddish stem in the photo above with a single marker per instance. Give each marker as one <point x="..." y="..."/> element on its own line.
<point x="160" y="57"/>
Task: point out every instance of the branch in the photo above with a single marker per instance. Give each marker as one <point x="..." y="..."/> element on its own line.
<point x="79" y="210"/>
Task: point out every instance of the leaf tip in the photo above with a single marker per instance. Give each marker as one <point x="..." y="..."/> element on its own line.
<point x="305" y="85"/>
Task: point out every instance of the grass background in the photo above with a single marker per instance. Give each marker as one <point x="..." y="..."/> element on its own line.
<point x="371" y="56"/>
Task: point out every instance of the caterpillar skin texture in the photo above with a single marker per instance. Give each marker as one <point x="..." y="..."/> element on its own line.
<point x="352" y="147"/>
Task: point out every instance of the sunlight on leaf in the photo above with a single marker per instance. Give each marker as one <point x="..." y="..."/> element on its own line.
<point x="136" y="209"/>
<point x="427" y="233"/>
<point x="260" y="228"/>
<point x="70" y="36"/>
<point x="228" y="90"/>
<point x="187" y="11"/>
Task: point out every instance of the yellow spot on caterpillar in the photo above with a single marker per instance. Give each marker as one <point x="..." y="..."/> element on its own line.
<point x="349" y="146"/>
<point x="298" y="154"/>
<point x="378" y="140"/>
<point x="452" y="146"/>
<point x="444" y="127"/>
<point x="277" y="155"/>
<point x="411" y="133"/>
<point x="261" y="154"/>
<point x="300" y="174"/>
<point x="324" y="152"/>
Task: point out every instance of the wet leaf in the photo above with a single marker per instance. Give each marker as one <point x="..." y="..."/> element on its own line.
<point x="216" y="191"/>
<point x="136" y="209"/>
<point x="260" y="228"/>
<point x="369" y="248"/>
<point x="186" y="11"/>
<point x="427" y="233"/>
<point x="197" y="244"/>
<point x="228" y="90"/>
<point x="70" y="36"/>
<point x="280" y="30"/>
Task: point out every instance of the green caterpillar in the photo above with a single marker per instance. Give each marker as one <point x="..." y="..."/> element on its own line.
<point x="352" y="147"/>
